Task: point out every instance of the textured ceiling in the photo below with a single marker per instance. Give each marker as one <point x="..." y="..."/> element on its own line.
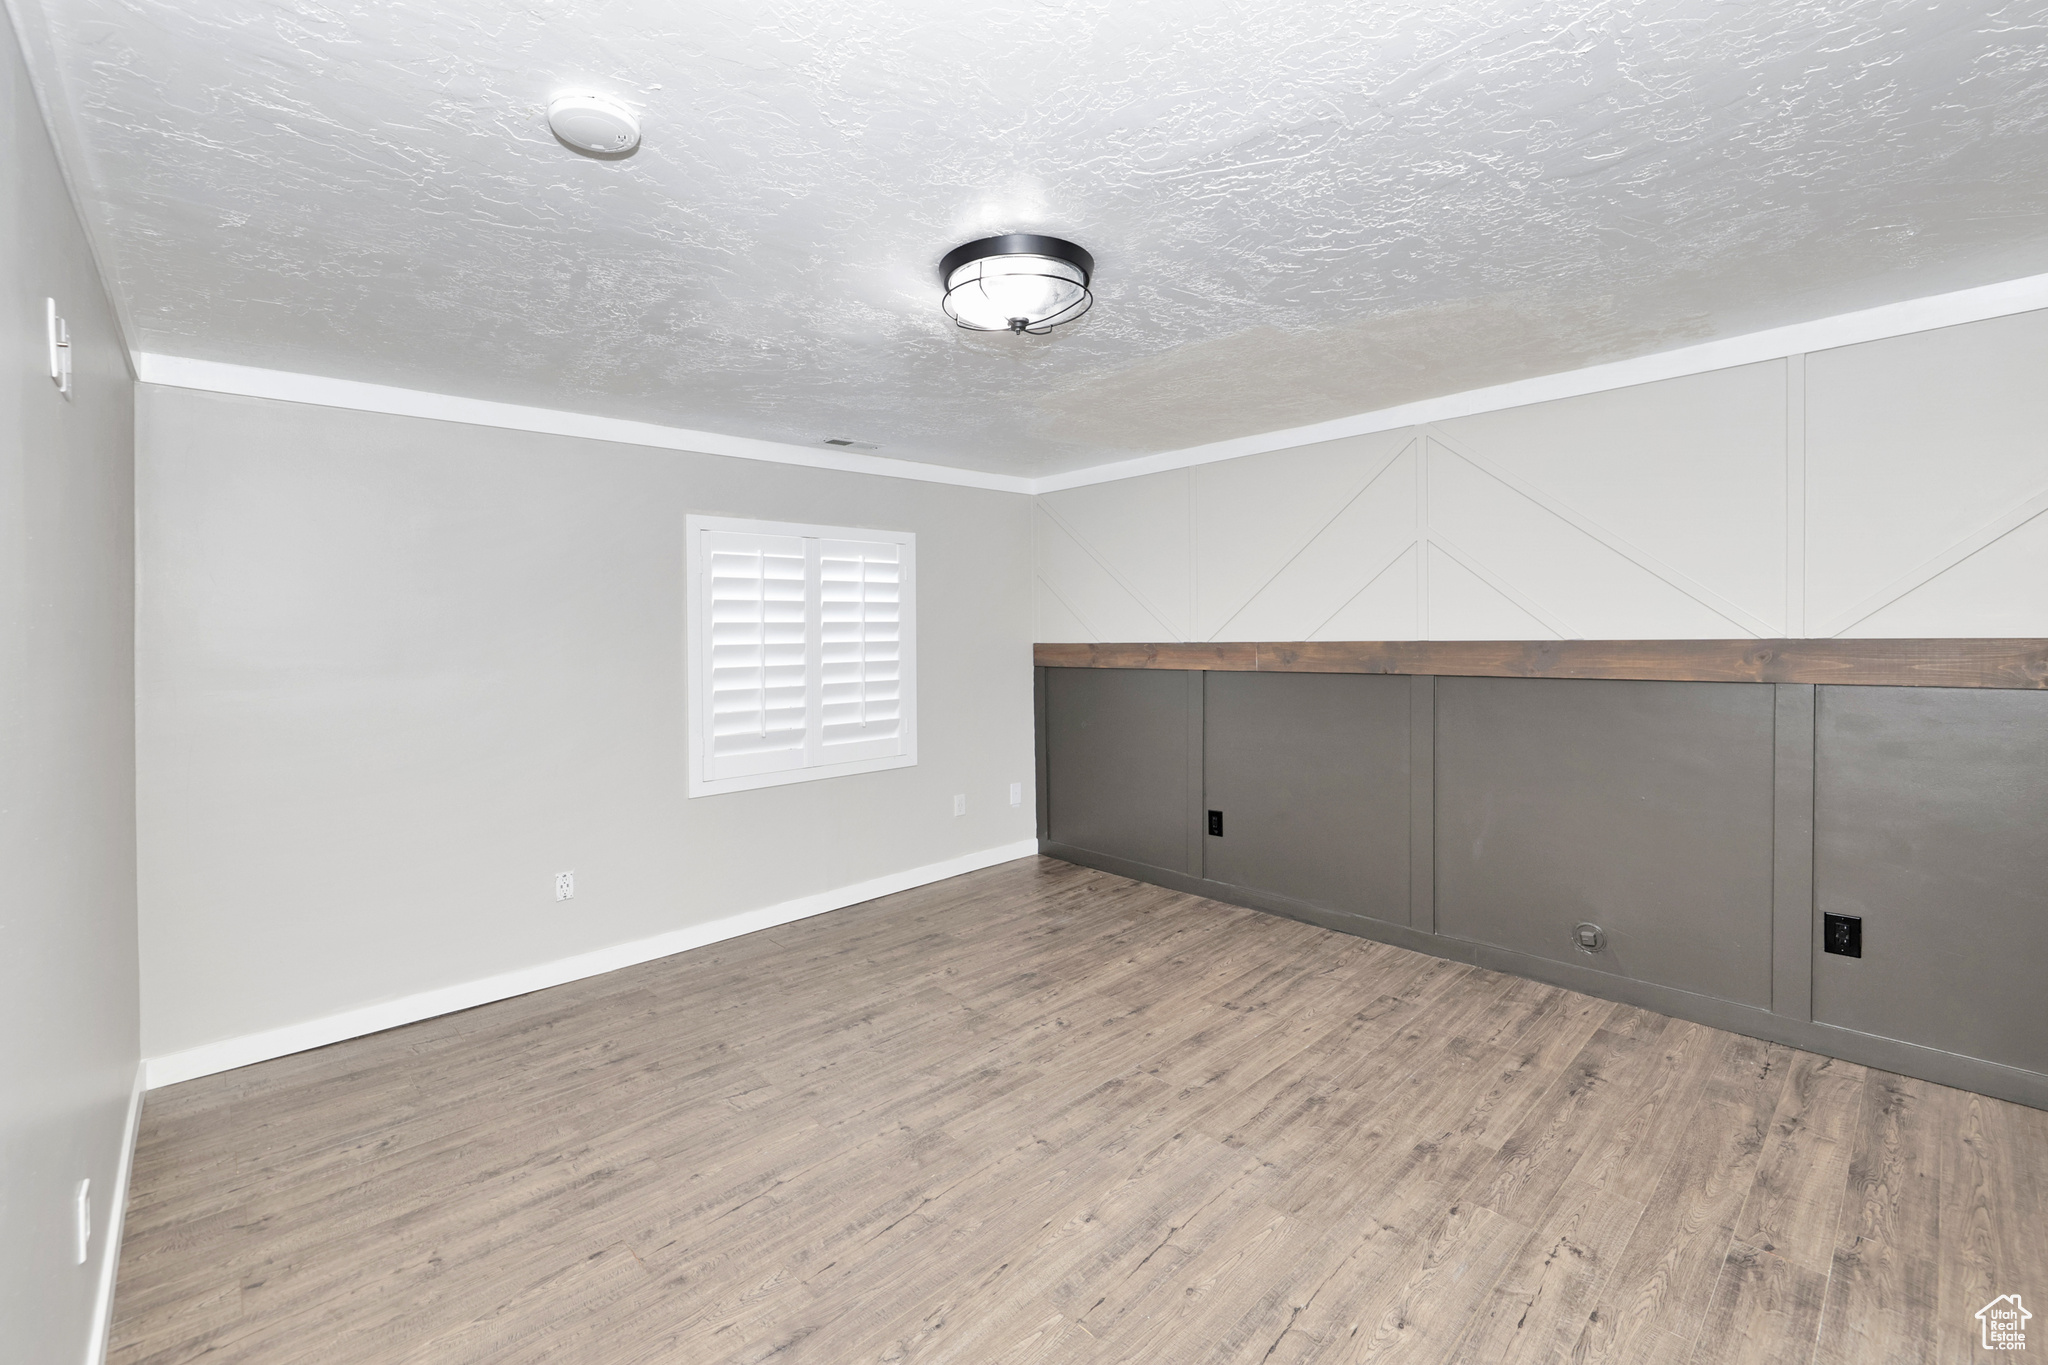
<point x="1299" y="210"/>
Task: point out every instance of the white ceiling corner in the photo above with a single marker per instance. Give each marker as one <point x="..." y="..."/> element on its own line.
<point x="1302" y="212"/>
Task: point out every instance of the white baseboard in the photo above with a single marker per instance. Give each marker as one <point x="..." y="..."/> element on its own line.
<point x="230" y="1053"/>
<point x="117" y="1215"/>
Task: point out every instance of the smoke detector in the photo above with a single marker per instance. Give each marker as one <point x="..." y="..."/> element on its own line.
<point x="597" y="124"/>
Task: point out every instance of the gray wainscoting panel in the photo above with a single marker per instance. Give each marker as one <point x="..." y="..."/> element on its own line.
<point x="1311" y="772"/>
<point x="1192" y="859"/>
<point x="1422" y="804"/>
<point x="1039" y="791"/>
<point x="1643" y="807"/>
<point x="1117" y="760"/>
<point x="1792" y="855"/>
<point x="1931" y="824"/>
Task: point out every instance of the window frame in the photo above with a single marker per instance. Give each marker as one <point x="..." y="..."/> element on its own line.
<point x="696" y="615"/>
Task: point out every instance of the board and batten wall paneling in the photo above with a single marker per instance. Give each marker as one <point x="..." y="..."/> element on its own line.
<point x="1704" y="826"/>
<point x="1792" y="937"/>
<point x="1117" y="763"/>
<point x="1927" y="474"/>
<point x="1642" y="807"/>
<point x="1310" y="772"/>
<point x="1891" y="488"/>
<point x="1931" y="825"/>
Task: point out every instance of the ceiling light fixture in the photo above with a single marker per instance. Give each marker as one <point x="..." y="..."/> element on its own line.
<point x="1019" y="282"/>
<point x="597" y="124"/>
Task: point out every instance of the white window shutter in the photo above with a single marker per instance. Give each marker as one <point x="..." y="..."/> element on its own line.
<point x="861" y="702"/>
<point x="756" y="653"/>
<point x="803" y="652"/>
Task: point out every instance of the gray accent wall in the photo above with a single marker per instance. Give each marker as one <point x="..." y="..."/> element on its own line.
<point x="1310" y="774"/>
<point x="1704" y="827"/>
<point x="1117" y="762"/>
<point x="1931" y="824"/>
<point x="1642" y="807"/>
<point x="68" y="1028"/>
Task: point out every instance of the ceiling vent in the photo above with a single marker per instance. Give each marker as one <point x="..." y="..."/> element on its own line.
<point x="844" y="444"/>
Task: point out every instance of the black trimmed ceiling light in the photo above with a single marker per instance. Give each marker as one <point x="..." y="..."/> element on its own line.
<point x="1019" y="282"/>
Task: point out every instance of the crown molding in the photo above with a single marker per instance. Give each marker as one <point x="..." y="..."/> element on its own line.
<point x="1822" y="334"/>
<point x="212" y="376"/>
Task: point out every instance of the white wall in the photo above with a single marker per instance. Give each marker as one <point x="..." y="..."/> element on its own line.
<point x="68" y="1046"/>
<point x="396" y="673"/>
<point x="1891" y="488"/>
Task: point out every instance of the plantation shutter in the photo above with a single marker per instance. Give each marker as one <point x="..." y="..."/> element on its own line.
<point x="860" y="710"/>
<point x="803" y="652"/>
<point x="757" y="654"/>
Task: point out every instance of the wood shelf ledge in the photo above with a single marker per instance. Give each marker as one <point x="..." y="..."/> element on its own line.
<point x="2001" y="663"/>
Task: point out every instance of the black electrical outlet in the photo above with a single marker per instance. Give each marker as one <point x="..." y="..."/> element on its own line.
<point x="1842" y="935"/>
<point x="1216" y="824"/>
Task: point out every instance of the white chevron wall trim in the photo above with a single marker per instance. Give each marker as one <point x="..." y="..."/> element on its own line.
<point x="1168" y="632"/>
<point x="1047" y="588"/>
<point x="1474" y="565"/>
<point x="1422" y="618"/>
<point x="1795" y="496"/>
<point x="1373" y="576"/>
<point x="1742" y="620"/>
<point x="1933" y="567"/>
<point x="1245" y="599"/>
<point x="1830" y="488"/>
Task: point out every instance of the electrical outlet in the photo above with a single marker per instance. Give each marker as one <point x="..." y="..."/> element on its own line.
<point x="82" y="1221"/>
<point x="1842" y="935"/>
<point x="1016" y="793"/>
<point x="565" y="885"/>
<point x="960" y="804"/>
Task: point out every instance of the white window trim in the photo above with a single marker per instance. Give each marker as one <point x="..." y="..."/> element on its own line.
<point x="696" y="613"/>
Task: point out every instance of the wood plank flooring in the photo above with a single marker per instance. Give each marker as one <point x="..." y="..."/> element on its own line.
<point x="1041" y="1114"/>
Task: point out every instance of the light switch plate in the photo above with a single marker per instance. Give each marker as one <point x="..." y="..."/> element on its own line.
<point x="60" y="347"/>
<point x="82" y="1221"/>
